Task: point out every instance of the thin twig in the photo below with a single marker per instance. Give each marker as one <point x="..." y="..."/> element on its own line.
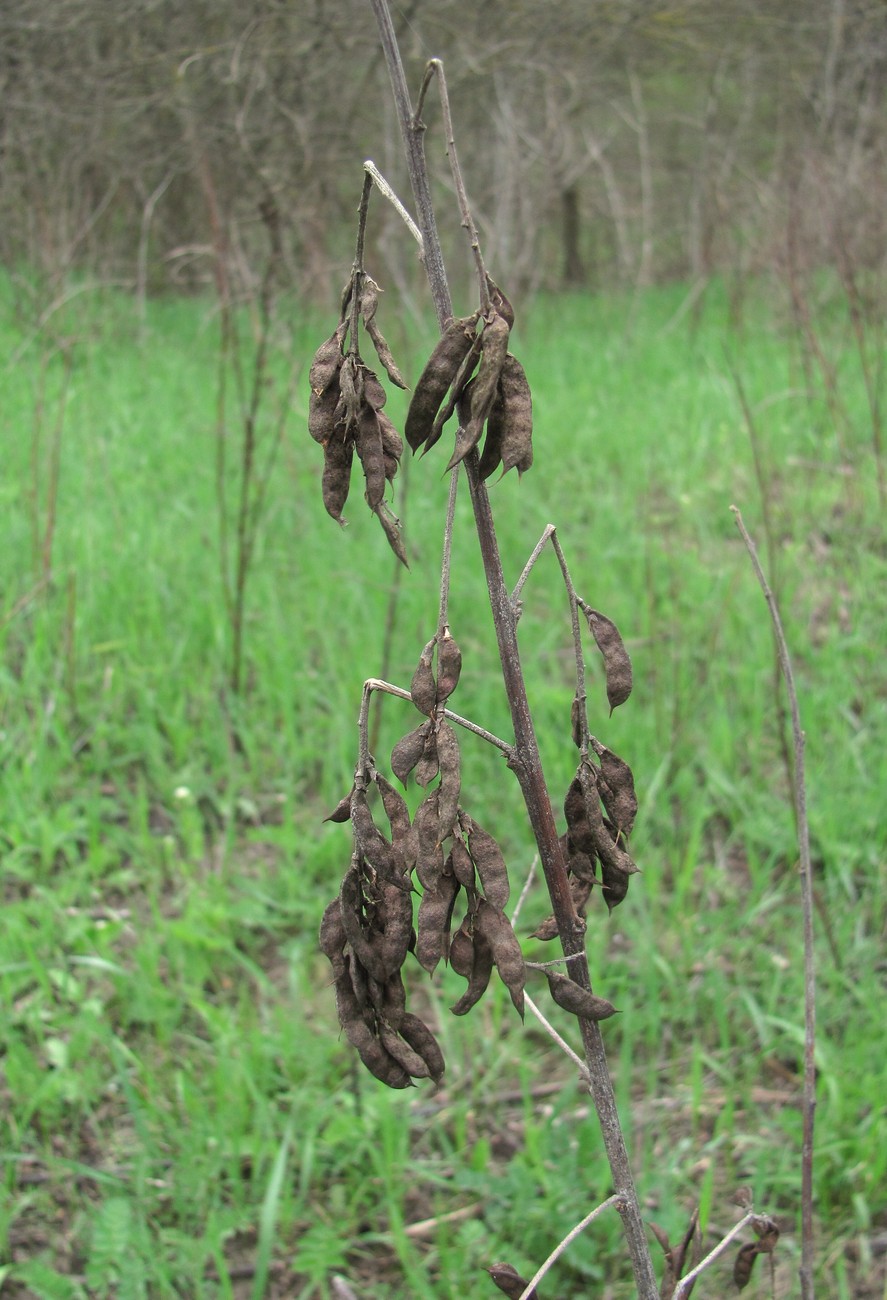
<point x="435" y="67"/>
<point x="556" y="1038"/>
<point x="684" y="1287"/>
<point x="442" y="618"/>
<point x="384" y="188"/>
<point x="806" y="874"/>
<point x="562" y="1246"/>
<point x="376" y="684"/>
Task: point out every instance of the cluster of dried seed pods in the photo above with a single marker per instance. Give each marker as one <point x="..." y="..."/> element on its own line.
<point x="345" y="411"/>
<point x="474" y="367"/>
<point x="600" y="807"/>
<point x="368" y="930"/>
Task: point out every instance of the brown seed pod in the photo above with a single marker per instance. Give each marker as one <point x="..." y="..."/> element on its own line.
<point x="352" y="399"/>
<point x="322" y="418"/>
<point x="326" y="364"/>
<point x="573" y="997"/>
<point x="333" y="937"/>
<point x="377" y="1060"/>
<point x="407" y="752"/>
<point x="616" y="658"/>
<point x="745" y="1262"/>
<point x="423" y="690"/>
<point x="391" y="528"/>
<point x="394" y="911"/>
<point x="429" y="854"/>
<point x="428" y="765"/>
<point x="375" y="849"/>
<point x="579" y="830"/>
<point x="576" y="721"/>
<point x="342" y="811"/>
<point x="439" y="373"/>
<point x="420" y="1037"/>
<point x="337" y="456"/>
<point x="459" y="393"/>
<point x="433" y="921"/>
<point x="365" y="940"/>
<point x="488" y="861"/>
<point x="389" y="999"/>
<point x="492" y="359"/>
<point x="615" y="783"/>
<point x="491" y="456"/>
<point x="517" y="417"/>
<point x="478" y="977"/>
<point x="499" y="302"/>
<point x="360" y="981"/>
<point x="395" y="806"/>
<point x="461" y="954"/>
<point x="401" y="1051"/>
<point x="392" y="443"/>
<point x="369" y="449"/>
<point x="449" y="665"/>
<point x="494" y="926"/>
<point x="383" y="352"/>
<point x="450" y="779"/>
<point x="460" y="859"/>
<point x="509" y="1281"/>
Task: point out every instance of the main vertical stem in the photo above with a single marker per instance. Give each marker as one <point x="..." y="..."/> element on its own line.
<point x="527" y="764"/>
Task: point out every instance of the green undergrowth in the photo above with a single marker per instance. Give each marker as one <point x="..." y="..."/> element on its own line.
<point x="180" y="1116"/>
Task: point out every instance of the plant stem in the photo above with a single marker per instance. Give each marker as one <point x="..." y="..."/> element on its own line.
<point x="800" y="793"/>
<point x="526" y="764"/>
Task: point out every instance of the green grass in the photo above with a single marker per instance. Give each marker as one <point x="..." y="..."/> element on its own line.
<point x="180" y="1116"/>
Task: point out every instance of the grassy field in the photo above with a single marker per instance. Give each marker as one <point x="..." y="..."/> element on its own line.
<point x="180" y="1116"/>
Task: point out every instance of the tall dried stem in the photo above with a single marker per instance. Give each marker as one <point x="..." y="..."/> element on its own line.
<point x="526" y="763"/>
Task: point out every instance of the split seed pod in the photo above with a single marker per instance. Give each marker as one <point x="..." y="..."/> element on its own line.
<point x="494" y="351"/>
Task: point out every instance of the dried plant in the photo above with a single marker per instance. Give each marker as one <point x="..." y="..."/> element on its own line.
<point x="372" y="929"/>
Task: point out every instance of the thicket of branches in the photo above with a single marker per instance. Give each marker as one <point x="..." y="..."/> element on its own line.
<point x="631" y="142"/>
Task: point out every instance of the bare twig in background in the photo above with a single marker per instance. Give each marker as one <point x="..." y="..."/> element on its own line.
<point x="800" y="795"/>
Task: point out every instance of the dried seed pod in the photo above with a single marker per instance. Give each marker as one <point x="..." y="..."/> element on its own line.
<point x="494" y="926"/>
<point x="461" y="954"/>
<point x="479" y="976"/>
<point x="423" y="690"/>
<point x="462" y="865"/>
<point x="460" y="392"/>
<point x="581" y="1002"/>
<point x="395" y="806"/>
<point x="491" y="455"/>
<point x="383" y="352"/>
<point x="581" y="837"/>
<point x="377" y="1060"/>
<point x="509" y="1281"/>
<point x="391" y="528"/>
<point x="547" y="930"/>
<point x="360" y="981"/>
<point x="373" y="393"/>
<point x="616" y="658"/>
<point x="384" y="856"/>
<point x="337" y="457"/>
<point x="439" y="373"/>
<point x="615" y="784"/>
<point x="394" y="911"/>
<point x="422" y="1040"/>
<point x="488" y="861"/>
<point x="745" y="1262"/>
<point x="450" y="779"/>
<point x="433" y="921"/>
<point x="407" y="752"/>
<point x="333" y="937"/>
<point x="389" y="999"/>
<point x="401" y="1051"/>
<point x="326" y="364"/>
<point x="576" y="721"/>
<point x="492" y="359"/>
<point x="392" y="443"/>
<point x="428" y="765"/>
<point x="449" y="665"/>
<point x="369" y="449"/>
<point x="342" y="810"/>
<point x="499" y="302"/>
<point x="429" y="854"/>
<point x="352" y="399"/>
<point x="365" y="941"/>
<point x="516" y="438"/>
<point x="322" y="419"/>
